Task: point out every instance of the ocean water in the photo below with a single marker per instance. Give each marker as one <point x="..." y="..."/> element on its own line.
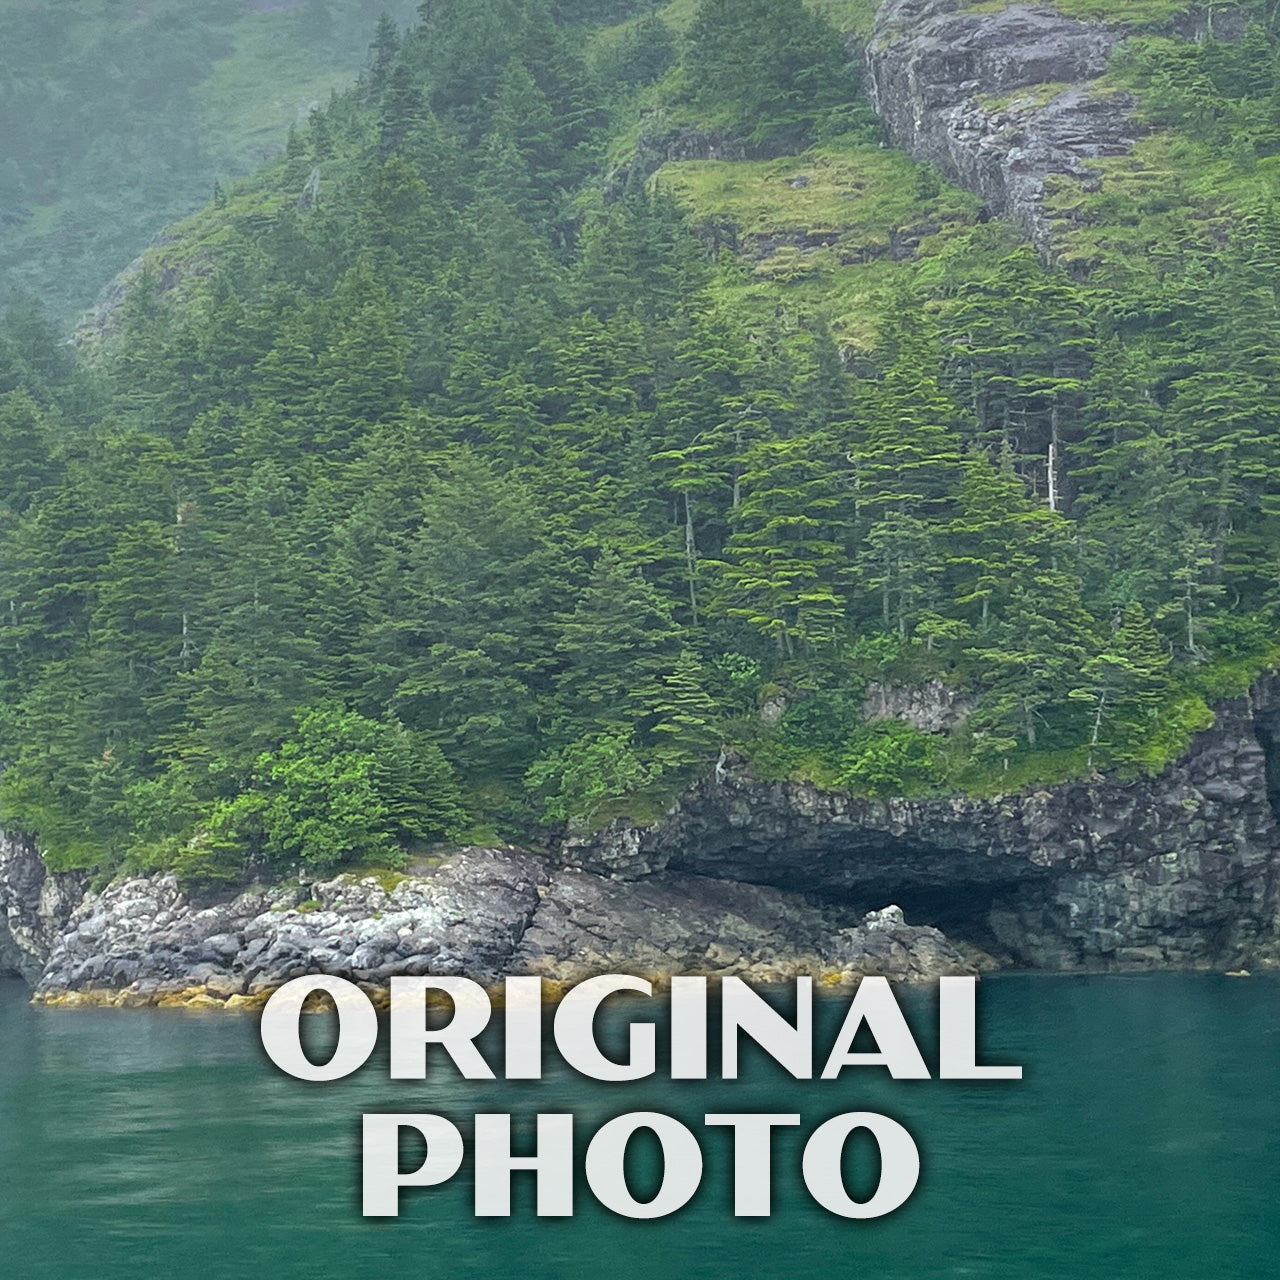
<point x="1142" y="1144"/>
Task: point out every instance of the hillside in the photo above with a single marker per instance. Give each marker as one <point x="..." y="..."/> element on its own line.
<point x="117" y="119"/>
<point x="591" y="395"/>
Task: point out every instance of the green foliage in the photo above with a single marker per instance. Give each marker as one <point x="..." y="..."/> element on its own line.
<point x="340" y="788"/>
<point x="1135" y="13"/>
<point x="686" y="729"/>
<point x="640" y="57"/>
<point x="785" y="561"/>
<point x="1127" y="686"/>
<point x="887" y="758"/>
<point x="429" y="471"/>
<point x="770" y="68"/>
<point x="576" y="782"/>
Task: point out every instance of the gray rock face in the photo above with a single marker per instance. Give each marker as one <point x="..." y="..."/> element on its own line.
<point x="674" y="923"/>
<point x="931" y="707"/>
<point x="999" y="100"/>
<point x="1180" y="869"/>
<point x="482" y="914"/>
<point x="35" y="904"/>
<point x="145" y="935"/>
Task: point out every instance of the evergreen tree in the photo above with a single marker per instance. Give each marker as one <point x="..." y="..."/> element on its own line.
<point x="777" y="87"/>
<point x="686" y="729"/>
<point x="906" y="457"/>
<point x="785" y="561"/>
<point x="615" y="646"/>
<point x="1125" y="686"/>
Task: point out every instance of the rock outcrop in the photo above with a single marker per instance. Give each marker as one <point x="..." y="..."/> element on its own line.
<point x="999" y="100"/>
<point x="931" y="706"/>
<point x="146" y="939"/>
<point x="1180" y="869"/>
<point x="482" y="914"/>
<point x="35" y="905"/>
<point x="675" y="923"/>
<point x="1003" y="99"/>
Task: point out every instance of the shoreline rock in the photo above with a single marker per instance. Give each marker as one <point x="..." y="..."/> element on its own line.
<point x="1179" y="870"/>
<point x="484" y="914"/>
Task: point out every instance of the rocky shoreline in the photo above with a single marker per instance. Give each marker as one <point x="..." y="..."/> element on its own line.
<point x="481" y="913"/>
<point x="766" y="880"/>
<point x="1181" y="869"/>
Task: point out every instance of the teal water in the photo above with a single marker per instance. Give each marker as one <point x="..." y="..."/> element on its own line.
<point x="1142" y="1144"/>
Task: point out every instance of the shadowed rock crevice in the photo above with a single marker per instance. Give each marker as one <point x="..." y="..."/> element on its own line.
<point x="35" y="905"/>
<point x="1267" y="727"/>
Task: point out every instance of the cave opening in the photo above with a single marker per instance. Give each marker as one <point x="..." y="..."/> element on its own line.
<point x="961" y="910"/>
<point x="11" y="957"/>
<point x="953" y="889"/>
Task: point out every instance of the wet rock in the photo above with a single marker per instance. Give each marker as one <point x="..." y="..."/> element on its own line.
<point x="466" y="917"/>
<point x="885" y="918"/>
<point x="673" y="923"/>
<point x="482" y="914"/>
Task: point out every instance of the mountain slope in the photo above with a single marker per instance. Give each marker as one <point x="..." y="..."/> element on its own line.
<point x="501" y="457"/>
<point x="115" y="119"/>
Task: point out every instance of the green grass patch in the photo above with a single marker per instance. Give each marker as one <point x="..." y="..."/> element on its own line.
<point x="1126" y="13"/>
<point x="851" y="298"/>
<point x="883" y="212"/>
<point x="865" y="192"/>
<point x="1168" y="195"/>
<point x="1030" y="97"/>
<point x="248" y="101"/>
<point x="985" y="779"/>
<point x="387" y="877"/>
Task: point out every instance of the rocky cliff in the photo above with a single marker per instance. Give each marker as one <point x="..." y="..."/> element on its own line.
<point x="35" y="905"/>
<point x="1180" y="869"/>
<point x="1005" y="98"/>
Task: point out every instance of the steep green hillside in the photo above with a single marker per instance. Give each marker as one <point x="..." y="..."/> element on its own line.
<point x="116" y="118"/>
<point x="475" y="467"/>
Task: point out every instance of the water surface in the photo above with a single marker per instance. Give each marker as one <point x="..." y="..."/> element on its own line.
<point x="1142" y="1144"/>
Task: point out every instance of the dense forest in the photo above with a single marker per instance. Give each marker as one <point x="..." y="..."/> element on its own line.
<point x="460" y="475"/>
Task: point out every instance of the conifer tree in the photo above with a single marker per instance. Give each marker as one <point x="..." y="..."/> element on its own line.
<point x="1124" y="685"/>
<point x="615" y="646"/>
<point x="785" y="560"/>
<point x="686" y="729"/>
<point x="905" y="456"/>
